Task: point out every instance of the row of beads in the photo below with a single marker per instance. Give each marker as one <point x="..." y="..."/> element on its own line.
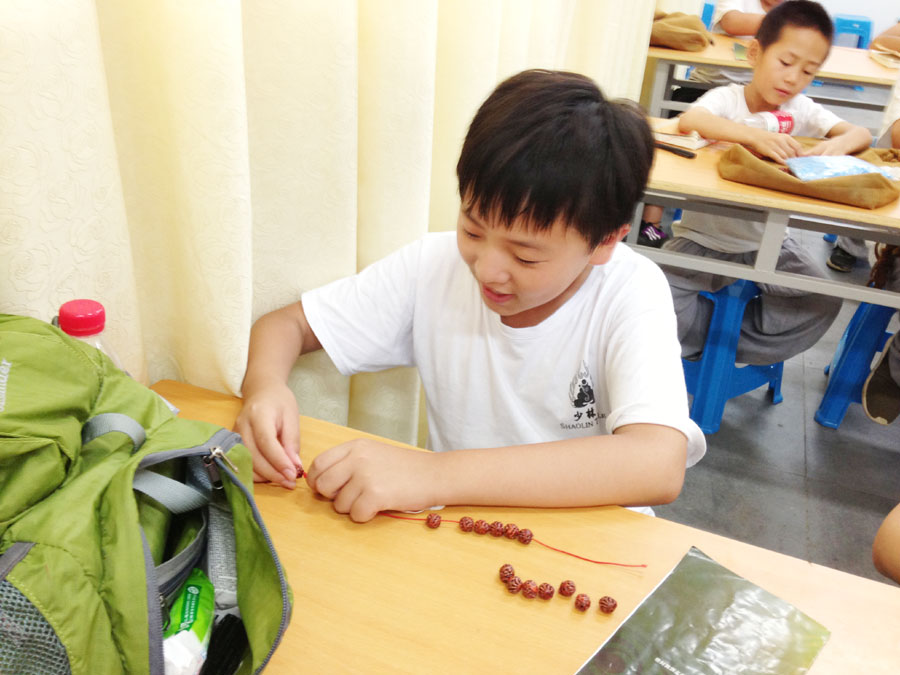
<point x="497" y="529"/>
<point x="530" y="589"/>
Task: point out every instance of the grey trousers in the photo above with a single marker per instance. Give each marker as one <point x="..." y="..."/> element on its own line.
<point x="780" y="323"/>
<point x="893" y="284"/>
<point x="855" y="247"/>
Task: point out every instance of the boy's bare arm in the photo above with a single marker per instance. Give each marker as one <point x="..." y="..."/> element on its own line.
<point x="886" y="547"/>
<point x="639" y="464"/>
<point x="740" y="23"/>
<point x="269" y="421"/>
<point x="843" y="139"/>
<point x="775" y="146"/>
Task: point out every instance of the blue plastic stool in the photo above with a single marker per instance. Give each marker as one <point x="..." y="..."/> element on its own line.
<point x="713" y="379"/>
<point x="830" y="238"/>
<point x="707" y="15"/>
<point x="860" y="26"/>
<point x="864" y="336"/>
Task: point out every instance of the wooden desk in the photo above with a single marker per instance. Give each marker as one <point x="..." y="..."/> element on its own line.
<point x="394" y="596"/>
<point x="695" y="184"/>
<point x="844" y="66"/>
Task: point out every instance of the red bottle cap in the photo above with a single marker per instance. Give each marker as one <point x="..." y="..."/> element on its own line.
<point x="82" y="317"/>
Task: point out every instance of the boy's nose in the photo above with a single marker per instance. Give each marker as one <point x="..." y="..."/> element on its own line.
<point x="490" y="269"/>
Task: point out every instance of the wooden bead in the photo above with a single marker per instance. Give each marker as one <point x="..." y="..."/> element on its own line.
<point x="514" y="584"/>
<point x="481" y="527"/>
<point x="607" y="604"/>
<point x="507" y="572"/>
<point x="511" y="531"/>
<point x="466" y="524"/>
<point x="433" y="521"/>
<point x="529" y="589"/>
<point x="546" y="591"/>
<point x="497" y="528"/>
<point x="567" y="588"/>
<point x="582" y="602"/>
<point x="525" y="536"/>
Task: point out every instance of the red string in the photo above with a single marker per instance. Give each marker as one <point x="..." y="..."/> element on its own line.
<point x="552" y="548"/>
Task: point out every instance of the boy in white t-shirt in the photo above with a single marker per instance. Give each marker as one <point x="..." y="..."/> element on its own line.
<point x="791" y="45"/>
<point x="546" y="349"/>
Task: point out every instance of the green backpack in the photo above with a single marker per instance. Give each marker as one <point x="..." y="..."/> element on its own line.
<point x="108" y="501"/>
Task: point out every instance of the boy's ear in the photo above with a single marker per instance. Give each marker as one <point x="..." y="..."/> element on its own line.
<point x="604" y="250"/>
<point x="753" y="52"/>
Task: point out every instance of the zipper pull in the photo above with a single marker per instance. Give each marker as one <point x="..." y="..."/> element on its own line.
<point x="217" y="453"/>
<point x="214" y="476"/>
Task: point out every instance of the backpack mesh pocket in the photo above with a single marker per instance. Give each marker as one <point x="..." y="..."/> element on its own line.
<point x="28" y="644"/>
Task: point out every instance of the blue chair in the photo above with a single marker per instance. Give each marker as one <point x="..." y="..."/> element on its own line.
<point x="830" y="238"/>
<point x="864" y="336"/>
<point x="714" y="378"/>
<point x="860" y="26"/>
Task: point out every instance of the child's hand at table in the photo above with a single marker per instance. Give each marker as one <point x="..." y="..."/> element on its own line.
<point x="269" y="425"/>
<point x="779" y="147"/>
<point x="365" y="476"/>
<point x="830" y="146"/>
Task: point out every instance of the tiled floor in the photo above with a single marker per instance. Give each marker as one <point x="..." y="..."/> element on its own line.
<point x="774" y="477"/>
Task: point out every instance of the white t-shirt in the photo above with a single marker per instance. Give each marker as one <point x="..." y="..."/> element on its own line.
<point x="607" y="357"/>
<point x="891" y="115"/>
<point x="734" y="235"/>
<point x="716" y="74"/>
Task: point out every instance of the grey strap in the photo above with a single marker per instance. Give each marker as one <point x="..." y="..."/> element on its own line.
<point x="13" y="556"/>
<point x="174" y="495"/>
<point x="178" y="566"/>
<point x="106" y="422"/>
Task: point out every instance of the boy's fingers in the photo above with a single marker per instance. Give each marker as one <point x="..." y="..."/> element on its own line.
<point x="290" y="439"/>
<point x="270" y="460"/>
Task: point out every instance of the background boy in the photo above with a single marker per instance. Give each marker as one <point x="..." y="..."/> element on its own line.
<point x="792" y="43"/>
<point x="534" y="332"/>
<point x="731" y="17"/>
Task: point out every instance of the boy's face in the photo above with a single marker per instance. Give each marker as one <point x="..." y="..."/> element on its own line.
<point x="788" y="65"/>
<point x="526" y="275"/>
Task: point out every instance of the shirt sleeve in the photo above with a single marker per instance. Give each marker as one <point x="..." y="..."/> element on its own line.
<point x="364" y="322"/>
<point x="644" y="374"/>
<point x="812" y="119"/>
<point x="720" y="101"/>
<point x="891" y="115"/>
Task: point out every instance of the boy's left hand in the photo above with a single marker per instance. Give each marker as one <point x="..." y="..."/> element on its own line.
<point x="365" y="476"/>
<point x="830" y="146"/>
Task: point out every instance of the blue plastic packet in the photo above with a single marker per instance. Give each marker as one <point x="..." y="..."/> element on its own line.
<point x="816" y="167"/>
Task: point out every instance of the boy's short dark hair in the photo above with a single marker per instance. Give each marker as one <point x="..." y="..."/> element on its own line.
<point x="548" y="145"/>
<point x="796" y="13"/>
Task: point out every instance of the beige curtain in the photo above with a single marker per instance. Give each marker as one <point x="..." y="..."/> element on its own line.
<point x="193" y="165"/>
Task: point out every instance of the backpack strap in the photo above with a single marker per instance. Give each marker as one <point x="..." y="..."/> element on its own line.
<point x="106" y="422"/>
<point x="173" y="494"/>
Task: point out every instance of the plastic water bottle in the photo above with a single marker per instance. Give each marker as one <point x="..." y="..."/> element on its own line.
<point x="775" y="121"/>
<point x="85" y="320"/>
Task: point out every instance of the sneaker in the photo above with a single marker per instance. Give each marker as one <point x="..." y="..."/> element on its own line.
<point x="840" y="260"/>
<point x="651" y="235"/>
<point x="880" y="393"/>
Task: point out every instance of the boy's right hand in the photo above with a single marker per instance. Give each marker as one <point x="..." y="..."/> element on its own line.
<point x="774" y="145"/>
<point x="269" y="425"/>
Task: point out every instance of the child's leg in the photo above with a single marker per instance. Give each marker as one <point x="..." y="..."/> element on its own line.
<point x="881" y="391"/>
<point x="691" y="309"/>
<point x="784" y="322"/>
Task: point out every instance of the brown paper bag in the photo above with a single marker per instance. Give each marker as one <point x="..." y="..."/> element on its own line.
<point x="679" y="31"/>
<point x="869" y="190"/>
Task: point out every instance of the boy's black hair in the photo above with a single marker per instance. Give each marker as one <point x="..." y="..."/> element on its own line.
<point x="547" y="145"/>
<point x="796" y="13"/>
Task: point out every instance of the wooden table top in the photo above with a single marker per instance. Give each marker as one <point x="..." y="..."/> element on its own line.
<point x="843" y="63"/>
<point x="395" y="596"/>
<point x="699" y="177"/>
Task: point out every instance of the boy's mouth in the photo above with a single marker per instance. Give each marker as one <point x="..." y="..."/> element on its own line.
<point x="498" y="298"/>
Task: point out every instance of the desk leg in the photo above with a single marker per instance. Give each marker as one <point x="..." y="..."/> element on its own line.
<point x="770" y="246"/>
<point x="662" y="77"/>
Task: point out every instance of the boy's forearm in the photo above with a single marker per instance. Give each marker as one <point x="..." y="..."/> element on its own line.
<point x="277" y="339"/>
<point x="639" y="465"/>
<point x="852" y="138"/>
<point x="740" y="23"/>
<point x="714" y="127"/>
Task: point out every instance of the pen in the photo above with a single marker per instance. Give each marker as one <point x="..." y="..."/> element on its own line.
<point x="675" y="150"/>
